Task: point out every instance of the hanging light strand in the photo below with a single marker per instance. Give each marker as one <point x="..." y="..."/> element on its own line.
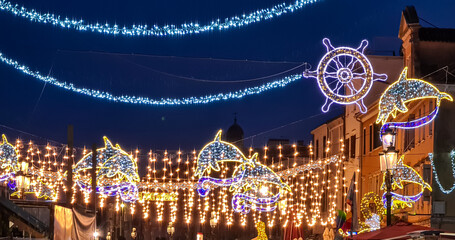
<point x="131" y="99"/>
<point x="155" y="30"/>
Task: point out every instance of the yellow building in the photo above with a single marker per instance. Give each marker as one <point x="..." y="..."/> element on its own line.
<point x="426" y="51"/>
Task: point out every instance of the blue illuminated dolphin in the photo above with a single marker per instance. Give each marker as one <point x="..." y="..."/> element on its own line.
<point x="405" y="90"/>
<point x="215" y="152"/>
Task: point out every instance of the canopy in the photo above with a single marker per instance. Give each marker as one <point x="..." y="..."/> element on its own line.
<point x="398" y="231"/>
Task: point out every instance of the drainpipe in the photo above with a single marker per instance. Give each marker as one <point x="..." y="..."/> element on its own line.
<point x="360" y="155"/>
<point x="343" y="207"/>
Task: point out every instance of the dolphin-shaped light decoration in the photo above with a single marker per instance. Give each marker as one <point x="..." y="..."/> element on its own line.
<point x="405" y="90"/>
<point x="255" y="175"/>
<point x="403" y="173"/>
<point x="215" y="152"/>
<point x="8" y="159"/>
<point x="112" y="163"/>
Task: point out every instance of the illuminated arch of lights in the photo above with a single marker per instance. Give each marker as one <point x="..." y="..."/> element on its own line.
<point x="158" y="31"/>
<point x="345" y="75"/>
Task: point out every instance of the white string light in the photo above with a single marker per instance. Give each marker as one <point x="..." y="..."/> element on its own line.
<point x="155" y="30"/>
<point x="442" y="188"/>
<point x="149" y="101"/>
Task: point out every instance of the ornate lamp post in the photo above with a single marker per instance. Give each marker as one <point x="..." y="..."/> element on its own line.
<point x="170" y="230"/>
<point x="133" y="234"/>
<point x="388" y="159"/>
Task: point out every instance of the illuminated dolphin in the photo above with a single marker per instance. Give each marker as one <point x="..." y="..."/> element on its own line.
<point x="405" y="90"/>
<point x="112" y="161"/>
<point x="405" y="174"/>
<point x="256" y="175"/>
<point x="8" y="158"/>
<point x="217" y="151"/>
<point x="112" y="164"/>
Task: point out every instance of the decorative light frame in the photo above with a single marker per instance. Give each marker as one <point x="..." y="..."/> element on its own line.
<point x="405" y="90"/>
<point x="112" y="162"/>
<point x="404" y="173"/>
<point x="345" y="74"/>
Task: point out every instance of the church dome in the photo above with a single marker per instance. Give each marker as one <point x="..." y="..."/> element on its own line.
<point x="234" y="134"/>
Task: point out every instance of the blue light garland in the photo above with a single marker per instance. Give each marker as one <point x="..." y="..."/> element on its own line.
<point x="452" y="157"/>
<point x="155" y="30"/>
<point x="411" y="124"/>
<point x="148" y="101"/>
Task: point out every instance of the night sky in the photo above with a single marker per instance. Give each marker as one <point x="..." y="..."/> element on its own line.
<point x="163" y="67"/>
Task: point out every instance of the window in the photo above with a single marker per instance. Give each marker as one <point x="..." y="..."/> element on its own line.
<point x="324" y="146"/>
<point x="376" y="137"/>
<point x="364" y="140"/>
<point x="317" y="149"/>
<point x="353" y="146"/>
<point x="409" y="136"/>
<point x="420" y="128"/>
<point x="371" y="138"/>
<point x="346" y="148"/>
<point x="424" y="126"/>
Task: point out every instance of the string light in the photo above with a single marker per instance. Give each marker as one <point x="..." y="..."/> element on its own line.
<point x="149" y="101"/>
<point x="345" y="73"/>
<point x="254" y="186"/>
<point x="442" y="188"/>
<point x="405" y="90"/>
<point x="155" y="30"/>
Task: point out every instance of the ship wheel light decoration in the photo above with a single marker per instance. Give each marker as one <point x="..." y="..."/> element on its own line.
<point x="344" y="75"/>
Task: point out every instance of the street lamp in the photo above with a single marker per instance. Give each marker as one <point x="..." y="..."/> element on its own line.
<point x="170" y="230"/>
<point x="388" y="139"/>
<point x="388" y="160"/>
<point x="133" y="234"/>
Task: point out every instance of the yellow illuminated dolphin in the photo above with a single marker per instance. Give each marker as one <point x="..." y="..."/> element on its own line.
<point x="405" y="90"/>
